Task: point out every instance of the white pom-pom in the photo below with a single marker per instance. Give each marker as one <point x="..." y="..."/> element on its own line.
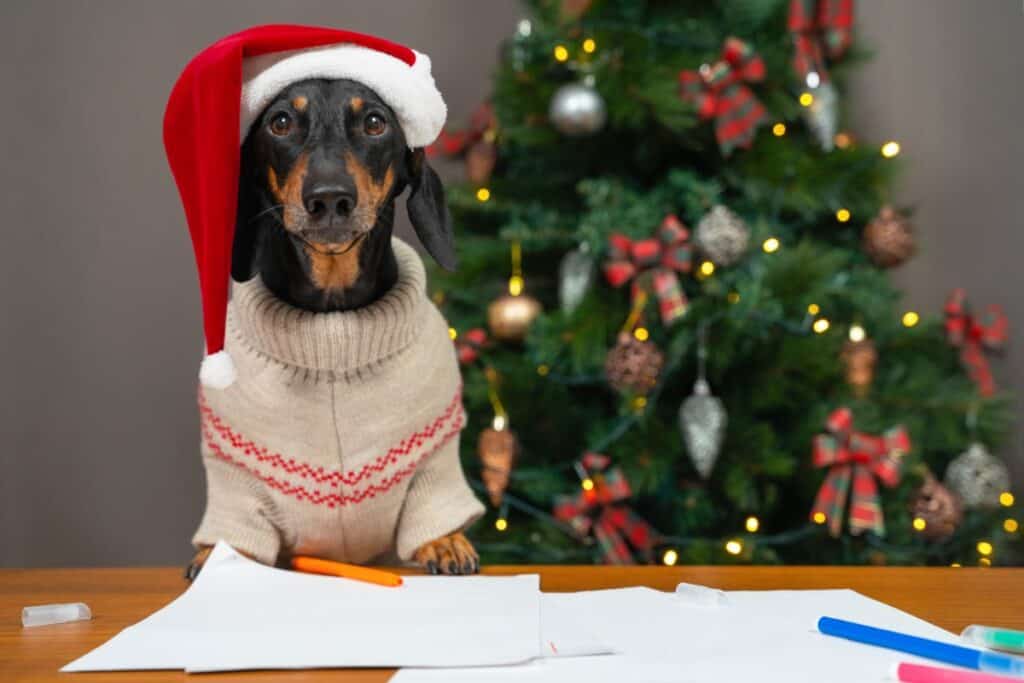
<point x="217" y="370"/>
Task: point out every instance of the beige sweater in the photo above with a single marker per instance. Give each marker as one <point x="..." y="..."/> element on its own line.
<point x="340" y="438"/>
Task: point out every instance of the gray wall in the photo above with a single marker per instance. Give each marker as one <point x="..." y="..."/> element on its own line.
<point x="101" y="327"/>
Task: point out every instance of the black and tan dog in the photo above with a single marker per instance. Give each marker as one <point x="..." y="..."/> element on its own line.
<point x="320" y="172"/>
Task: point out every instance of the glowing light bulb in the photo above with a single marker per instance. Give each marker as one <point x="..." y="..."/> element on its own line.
<point x="515" y="285"/>
<point x="753" y="524"/>
<point x="1006" y="499"/>
<point x="543" y="370"/>
<point x="911" y="318"/>
<point x="501" y="524"/>
<point x="561" y="53"/>
<point x="819" y="518"/>
<point x="453" y="333"/>
<point x="985" y="562"/>
<point x="587" y="484"/>
<point x="984" y="548"/>
<point x="483" y="194"/>
<point x="843" y="215"/>
<point x="1010" y="526"/>
<point x="890" y="149"/>
<point x="779" y="129"/>
<point x="589" y="45"/>
<point x="524" y="27"/>
<point x="499" y="423"/>
<point x="843" y="140"/>
<point x="641" y="334"/>
<point x="670" y="557"/>
<point x="813" y="309"/>
<point x="734" y="547"/>
<point x="919" y="524"/>
<point x="806" y="99"/>
<point x="821" y="325"/>
<point x="857" y="333"/>
<point x="956" y="565"/>
<point x="813" y="80"/>
<point x="707" y="268"/>
<point x="771" y="245"/>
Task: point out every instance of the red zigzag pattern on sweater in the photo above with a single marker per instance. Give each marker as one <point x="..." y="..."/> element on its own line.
<point x="448" y="424"/>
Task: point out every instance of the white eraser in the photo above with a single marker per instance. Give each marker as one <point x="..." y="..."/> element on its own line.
<point x="701" y="596"/>
<point x="43" y="615"/>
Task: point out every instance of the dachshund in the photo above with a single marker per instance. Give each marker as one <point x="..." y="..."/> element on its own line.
<point x="320" y="171"/>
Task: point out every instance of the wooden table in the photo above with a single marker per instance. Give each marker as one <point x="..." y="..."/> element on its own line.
<point x="951" y="598"/>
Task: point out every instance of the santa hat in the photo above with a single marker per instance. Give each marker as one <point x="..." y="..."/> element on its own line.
<point x="221" y="93"/>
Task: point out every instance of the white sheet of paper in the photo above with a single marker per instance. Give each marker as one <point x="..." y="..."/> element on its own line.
<point x="242" y="615"/>
<point x="767" y="636"/>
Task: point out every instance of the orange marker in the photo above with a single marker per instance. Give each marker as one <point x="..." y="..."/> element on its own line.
<point x="314" y="565"/>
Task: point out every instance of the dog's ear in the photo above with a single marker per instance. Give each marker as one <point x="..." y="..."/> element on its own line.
<point x="247" y="231"/>
<point x="428" y="211"/>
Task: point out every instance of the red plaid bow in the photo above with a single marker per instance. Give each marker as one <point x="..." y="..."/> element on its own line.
<point x="857" y="457"/>
<point x="616" y="527"/>
<point x="652" y="264"/>
<point x="468" y="345"/>
<point x="819" y="28"/>
<point x="973" y="336"/>
<point x="720" y="93"/>
<point x="453" y="143"/>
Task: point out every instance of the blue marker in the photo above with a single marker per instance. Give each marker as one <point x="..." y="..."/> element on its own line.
<point x="958" y="655"/>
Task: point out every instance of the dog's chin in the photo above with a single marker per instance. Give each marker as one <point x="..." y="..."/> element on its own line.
<point x="331" y="242"/>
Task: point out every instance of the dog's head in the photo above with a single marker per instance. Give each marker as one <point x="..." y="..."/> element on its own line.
<point x="324" y="162"/>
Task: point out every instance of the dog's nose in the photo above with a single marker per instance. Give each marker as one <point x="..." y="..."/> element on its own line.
<point x="324" y="202"/>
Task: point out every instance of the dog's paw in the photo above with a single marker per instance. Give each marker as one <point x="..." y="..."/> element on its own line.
<point x="452" y="554"/>
<point x="198" y="560"/>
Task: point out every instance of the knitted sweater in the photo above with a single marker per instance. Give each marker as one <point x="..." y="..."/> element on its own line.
<point x="340" y="437"/>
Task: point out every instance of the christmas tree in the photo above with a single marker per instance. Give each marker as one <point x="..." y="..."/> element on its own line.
<point x="678" y="335"/>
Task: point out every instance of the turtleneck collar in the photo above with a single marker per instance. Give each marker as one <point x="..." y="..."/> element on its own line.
<point x="340" y="341"/>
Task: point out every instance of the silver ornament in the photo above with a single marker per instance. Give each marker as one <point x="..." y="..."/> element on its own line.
<point x="702" y="417"/>
<point x="722" y="236"/>
<point x="978" y="477"/>
<point x="702" y="420"/>
<point x="822" y="116"/>
<point x="575" y="276"/>
<point x="577" y="109"/>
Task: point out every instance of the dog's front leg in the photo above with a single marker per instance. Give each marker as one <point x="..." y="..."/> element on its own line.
<point x="451" y="554"/>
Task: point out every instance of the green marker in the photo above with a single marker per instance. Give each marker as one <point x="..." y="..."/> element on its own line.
<point x="996" y="638"/>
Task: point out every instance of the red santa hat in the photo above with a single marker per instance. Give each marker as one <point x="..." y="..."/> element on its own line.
<point x="221" y="93"/>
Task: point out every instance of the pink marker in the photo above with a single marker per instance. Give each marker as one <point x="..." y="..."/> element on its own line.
<point x="920" y="673"/>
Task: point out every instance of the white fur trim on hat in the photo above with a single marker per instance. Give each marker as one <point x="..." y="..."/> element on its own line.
<point x="217" y="371"/>
<point x="409" y="90"/>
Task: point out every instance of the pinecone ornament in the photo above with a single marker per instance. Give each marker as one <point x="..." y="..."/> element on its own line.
<point x="722" y="236"/>
<point x="497" y="449"/>
<point x="978" y="477"/>
<point x="941" y="509"/>
<point x="889" y="238"/>
<point x="633" y="366"/>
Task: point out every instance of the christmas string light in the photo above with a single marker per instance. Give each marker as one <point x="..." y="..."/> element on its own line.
<point x="843" y="215"/>
<point x="984" y="548"/>
<point x="779" y="129"/>
<point x="670" y="557"/>
<point x="857" y="333"/>
<point x="753" y="524"/>
<point x="1006" y="499"/>
<point x="910" y="318"/>
<point x="561" y="53"/>
<point x="1010" y="526"/>
<point x="483" y="194"/>
<point x="806" y="99"/>
<point x="890" y="149"/>
<point x="771" y="245"/>
<point x="589" y="46"/>
<point x="821" y="325"/>
<point x="515" y="283"/>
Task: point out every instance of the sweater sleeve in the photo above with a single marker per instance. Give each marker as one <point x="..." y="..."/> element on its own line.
<point x="238" y="511"/>
<point x="439" y="502"/>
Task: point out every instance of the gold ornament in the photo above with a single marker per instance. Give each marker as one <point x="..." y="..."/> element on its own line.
<point x="497" y="449"/>
<point x="860" y="358"/>
<point x="480" y="160"/>
<point x="889" y="238"/>
<point x="509" y="317"/>
<point x="939" y="509"/>
<point x="633" y="366"/>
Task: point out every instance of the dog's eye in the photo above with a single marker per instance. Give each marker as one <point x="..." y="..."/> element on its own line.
<point x="281" y="124"/>
<point x="374" y="124"/>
